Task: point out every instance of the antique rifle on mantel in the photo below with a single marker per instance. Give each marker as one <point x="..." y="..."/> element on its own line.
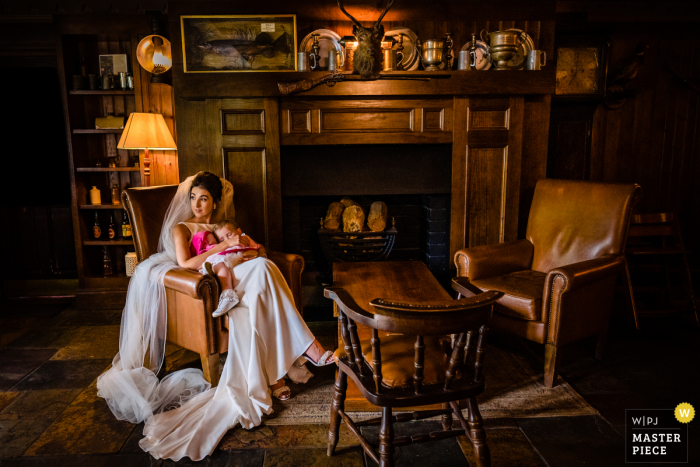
<point x="287" y="88"/>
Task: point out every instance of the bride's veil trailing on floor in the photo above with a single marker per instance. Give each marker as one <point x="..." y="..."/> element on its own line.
<point x="130" y="386"/>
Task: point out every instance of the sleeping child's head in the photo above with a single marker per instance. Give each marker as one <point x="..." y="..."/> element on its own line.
<point x="225" y="229"/>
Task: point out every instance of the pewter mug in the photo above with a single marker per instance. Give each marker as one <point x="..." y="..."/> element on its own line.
<point x="536" y="59"/>
<point x="466" y="59"/>
<point x="303" y="61"/>
<point x="333" y="64"/>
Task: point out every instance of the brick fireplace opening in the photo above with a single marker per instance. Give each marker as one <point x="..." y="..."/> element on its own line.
<point x="414" y="180"/>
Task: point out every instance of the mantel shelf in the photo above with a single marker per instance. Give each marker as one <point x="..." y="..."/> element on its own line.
<point x="108" y="242"/>
<point x="101" y="93"/>
<point x="197" y="86"/>
<point x="101" y="206"/>
<point x="105" y="131"/>
<point x="107" y="169"/>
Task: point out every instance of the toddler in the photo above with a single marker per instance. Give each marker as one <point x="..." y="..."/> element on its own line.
<point x="222" y="264"/>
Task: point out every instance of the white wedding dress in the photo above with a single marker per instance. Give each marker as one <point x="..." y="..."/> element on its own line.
<point x="184" y="416"/>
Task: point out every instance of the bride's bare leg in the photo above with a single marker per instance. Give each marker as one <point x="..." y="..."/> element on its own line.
<point x="316" y="351"/>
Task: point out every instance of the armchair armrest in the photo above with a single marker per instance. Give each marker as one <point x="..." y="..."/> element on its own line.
<point x="580" y="274"/>
<point x="494" y="260"/>
<point x="578" y="298"/>
<point x="191" y="283"/>
<point x="291" y="267"/>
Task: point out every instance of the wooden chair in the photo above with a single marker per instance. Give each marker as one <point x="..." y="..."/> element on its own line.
<point x="192" y="297"/>
<point x="388" y="377"/>
<point x="658" y="235"/>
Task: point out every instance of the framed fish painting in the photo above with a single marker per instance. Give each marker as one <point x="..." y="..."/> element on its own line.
<point x="239" y="43"/>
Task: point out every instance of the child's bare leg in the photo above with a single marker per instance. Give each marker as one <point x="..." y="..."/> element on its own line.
<point x="224" y="275"/>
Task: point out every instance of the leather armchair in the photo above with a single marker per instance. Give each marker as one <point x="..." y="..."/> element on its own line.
<point x="191" y="296"/>
<point x="558" y="282"/>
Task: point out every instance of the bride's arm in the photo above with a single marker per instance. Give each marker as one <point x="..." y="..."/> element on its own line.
<point x="182" y="248"/>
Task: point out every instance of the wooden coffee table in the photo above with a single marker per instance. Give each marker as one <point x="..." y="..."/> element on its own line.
<point x="400" y="280"/>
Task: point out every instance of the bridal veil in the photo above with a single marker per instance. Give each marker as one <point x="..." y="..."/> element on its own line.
<point x="130" y="386"/>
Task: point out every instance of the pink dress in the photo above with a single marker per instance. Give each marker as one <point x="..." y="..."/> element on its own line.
<point x="231" y="256"/>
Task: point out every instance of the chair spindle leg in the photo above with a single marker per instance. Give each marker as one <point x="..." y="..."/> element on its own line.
<point x="356" y="350"/>
<point x="469" y="346"/>
<point x="446" y="418"/>
<point x="346" y="337"/>
<point x="479" y="359"/>
<point x="386" y="439"/>
<point x="418" y="360"/>
<point x="478" y="434"/>
<point x="341" y="384"/>
<point x="376" y="360"/>
<point x="455" y="360"/>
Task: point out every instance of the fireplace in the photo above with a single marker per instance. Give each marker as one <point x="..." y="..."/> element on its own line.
<point x="414" y="180"/>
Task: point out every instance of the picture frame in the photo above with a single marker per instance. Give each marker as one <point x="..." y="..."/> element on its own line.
<point x="238" y="43"/>
<point x="113" y="64"/>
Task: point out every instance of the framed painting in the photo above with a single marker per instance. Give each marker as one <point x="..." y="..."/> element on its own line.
<point x="238" y="43"/>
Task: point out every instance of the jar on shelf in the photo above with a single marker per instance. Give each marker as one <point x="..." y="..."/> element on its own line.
<point x="95" y="196"/>
<point x="115" y="194"/>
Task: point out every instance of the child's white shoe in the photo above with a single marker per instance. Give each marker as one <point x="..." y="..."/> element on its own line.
<point x="227" y="300"/>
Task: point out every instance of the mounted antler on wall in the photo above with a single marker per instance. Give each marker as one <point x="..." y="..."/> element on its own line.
<point x="368" y="54"/>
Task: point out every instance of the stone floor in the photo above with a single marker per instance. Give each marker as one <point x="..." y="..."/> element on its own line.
<point x="50" y="415"/>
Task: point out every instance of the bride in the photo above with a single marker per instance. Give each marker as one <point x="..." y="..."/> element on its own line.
<point x="184" y="416"/>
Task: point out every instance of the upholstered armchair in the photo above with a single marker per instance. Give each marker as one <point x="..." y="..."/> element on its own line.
<point x="191" y="296"/>
<point x="559" y="281"/>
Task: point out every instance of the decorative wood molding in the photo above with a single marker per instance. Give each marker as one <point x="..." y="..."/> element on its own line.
<point x="243" y="122"/>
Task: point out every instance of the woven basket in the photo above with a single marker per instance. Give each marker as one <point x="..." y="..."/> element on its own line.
<point x="131" y="262"/>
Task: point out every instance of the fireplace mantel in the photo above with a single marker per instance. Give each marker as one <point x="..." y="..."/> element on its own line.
<point x="197" y="86"/>
<point x="498" y="143"/>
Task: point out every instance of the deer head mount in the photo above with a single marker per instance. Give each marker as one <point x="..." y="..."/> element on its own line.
<point x="367" y="59"/>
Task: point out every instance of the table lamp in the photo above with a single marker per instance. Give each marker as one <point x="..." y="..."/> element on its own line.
<point x="146" y="131"/>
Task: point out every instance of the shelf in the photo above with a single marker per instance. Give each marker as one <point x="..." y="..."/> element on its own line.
<point x="101" y="206"/>
<point x="99" y="92"/>
<point x="108" y="169"/>
<point x="98" y="132"/>
<point x="108" y="242"/>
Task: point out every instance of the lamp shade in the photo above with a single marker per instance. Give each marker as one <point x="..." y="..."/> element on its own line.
<point x="154" y="54"/>
<point x="146" y="131"/>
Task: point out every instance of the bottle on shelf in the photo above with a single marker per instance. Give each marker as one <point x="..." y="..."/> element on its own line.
<point x="95" y="196"/>
<point x="115" y="194"/>
<point x="126" y="226"/>
<point x="111" y="231"/>
<point x="96" y="229"/>
<point x="106" y="262"/>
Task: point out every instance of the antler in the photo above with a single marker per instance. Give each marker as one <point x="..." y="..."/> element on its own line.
<point x="391" y="3"/>
<point x="340" y="5"/>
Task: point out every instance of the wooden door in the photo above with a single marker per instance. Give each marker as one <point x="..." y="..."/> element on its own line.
<point x="487" y="146"/>
<point x="244" y="134"/>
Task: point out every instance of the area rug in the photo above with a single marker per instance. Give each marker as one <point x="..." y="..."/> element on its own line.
<point x="514" y="389"/>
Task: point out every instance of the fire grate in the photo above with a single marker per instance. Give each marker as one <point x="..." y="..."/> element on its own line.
<point x="341" y="247"/>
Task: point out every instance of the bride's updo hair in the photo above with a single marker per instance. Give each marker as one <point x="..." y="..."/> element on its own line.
<point x="209" y="182"/>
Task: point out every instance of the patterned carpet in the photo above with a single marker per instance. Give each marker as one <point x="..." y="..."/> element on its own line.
<point x="514" y="389"/>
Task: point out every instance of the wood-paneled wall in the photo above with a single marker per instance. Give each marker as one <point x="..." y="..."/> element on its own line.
<point x="654" y="139"/>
